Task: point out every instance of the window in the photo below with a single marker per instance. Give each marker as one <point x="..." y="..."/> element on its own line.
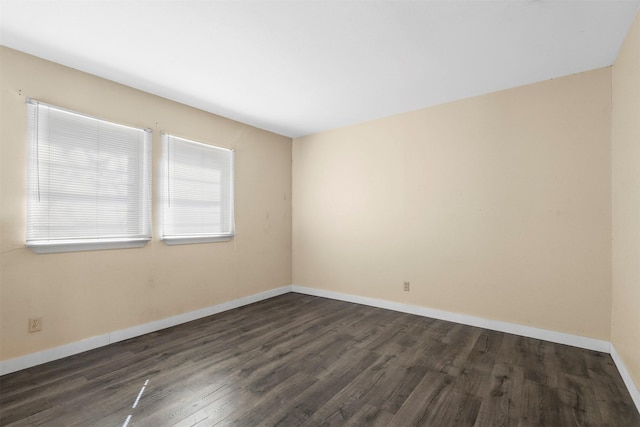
<point x="197" y="205"/>
<point x="89" y="182"/>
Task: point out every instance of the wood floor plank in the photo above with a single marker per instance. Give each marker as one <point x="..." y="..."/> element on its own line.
<point x="369" y="386"/>
<point x="302" y="360"/>
<point x="306" y="404"/>
<point x="575" y="393"/>
<point x="415" y="409"/>
<point x="500" y="405"/>
<point x="369" y="416"/>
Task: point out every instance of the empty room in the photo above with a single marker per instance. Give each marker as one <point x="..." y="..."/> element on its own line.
<point x="363" y="213"/>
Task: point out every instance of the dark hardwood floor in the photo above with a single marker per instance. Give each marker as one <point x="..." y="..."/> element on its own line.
<point x="302" y="360"/>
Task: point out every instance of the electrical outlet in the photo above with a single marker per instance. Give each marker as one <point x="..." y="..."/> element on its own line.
<point x="406" y="286"/>
<point x="35" y="324"/>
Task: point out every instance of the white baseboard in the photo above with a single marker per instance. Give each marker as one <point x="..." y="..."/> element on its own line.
<point x="626" y="377"/>
<point x="33" y="359"/>
<point x="146" y="328"/>
<point x="495" y="325"/>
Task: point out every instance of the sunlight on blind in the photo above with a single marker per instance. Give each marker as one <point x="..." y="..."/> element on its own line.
<point x="197" y="192"/>
<point x="89" y="180"/>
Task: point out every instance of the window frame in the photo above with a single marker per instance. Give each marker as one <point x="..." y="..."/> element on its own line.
<point x="40" y="236"/>
<point x="166" y="194"/>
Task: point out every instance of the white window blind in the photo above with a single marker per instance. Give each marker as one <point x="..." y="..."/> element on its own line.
<point x="89" y="182"/>
<point x="197" y="181"/>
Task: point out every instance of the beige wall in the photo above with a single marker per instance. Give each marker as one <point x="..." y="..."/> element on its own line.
<point x="625" y="324"/>
<point x="497" y="206"/>
<point x="85" y="294"/>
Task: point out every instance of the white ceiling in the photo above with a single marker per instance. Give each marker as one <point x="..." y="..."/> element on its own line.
<point x="299" y="67"/>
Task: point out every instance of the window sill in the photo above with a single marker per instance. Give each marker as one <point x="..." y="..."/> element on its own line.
<point x="69" y="246"/>
<point x="194" y="240"/>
